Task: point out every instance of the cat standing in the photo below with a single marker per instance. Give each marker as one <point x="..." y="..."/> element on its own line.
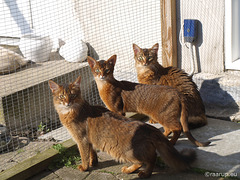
<point x="149" y="71"/>
<point x="163" y="104"/>
<point x="95" y="127"/>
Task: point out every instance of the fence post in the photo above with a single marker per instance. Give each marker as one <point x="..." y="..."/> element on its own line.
<point x="169" y="33"/>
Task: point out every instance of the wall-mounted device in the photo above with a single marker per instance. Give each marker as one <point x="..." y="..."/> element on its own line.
<point x="190" y="30"/>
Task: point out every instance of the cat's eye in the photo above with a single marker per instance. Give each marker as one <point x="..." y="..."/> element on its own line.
<point x="107" y="71"/>
<point x="140" y="58"/>
<point x="72" y="96"/>
<point x="61" y="97"/>
<point x="97" y="70"/>
<point x="150" y="58"/>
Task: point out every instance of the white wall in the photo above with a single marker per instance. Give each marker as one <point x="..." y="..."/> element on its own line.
<point x="210" y="44"/>
<point x="15" y="18"/>
<point x="55" y="17"/>
<point x="112" y="26"/>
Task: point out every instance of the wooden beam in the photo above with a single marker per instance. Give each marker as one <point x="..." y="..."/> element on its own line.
<point x="169" y="33"/>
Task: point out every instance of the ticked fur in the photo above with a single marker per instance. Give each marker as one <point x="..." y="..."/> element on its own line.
<point x="163" y="104"/>
<point x="95" y="127"/>
<point x="149" y="71"/>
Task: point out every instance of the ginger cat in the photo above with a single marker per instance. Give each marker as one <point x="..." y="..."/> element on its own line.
<point x="162" y="104"/>
<point x="95" y="127"/>
<point x="149" y="71"/>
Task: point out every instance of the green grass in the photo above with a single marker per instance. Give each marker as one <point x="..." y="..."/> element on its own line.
<point x="160" y="163"/>
<point x="67" y="157"/>
<point x="108" y="172"/>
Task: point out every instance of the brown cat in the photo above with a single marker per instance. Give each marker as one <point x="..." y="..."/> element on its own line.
<point x="124" y="139"/>
<point x="163" y="104"/>
<point x="149" y="71"/>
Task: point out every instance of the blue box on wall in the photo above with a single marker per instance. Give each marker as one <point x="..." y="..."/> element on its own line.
<point x="190" y="30"/>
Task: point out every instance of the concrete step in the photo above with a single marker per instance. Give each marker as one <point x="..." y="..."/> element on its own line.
<point x="220" y="94"/>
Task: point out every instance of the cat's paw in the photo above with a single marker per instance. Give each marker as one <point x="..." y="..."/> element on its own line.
<point x="152" y="121"/>
<point x="143" y="174"/>
<point x="81" y="168"/>
<point x="125" y="170"/>
<point x="94" y="162"/>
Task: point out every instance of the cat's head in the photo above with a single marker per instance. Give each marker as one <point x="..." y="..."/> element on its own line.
<point x="102" y="70"/>
<point x="66" y="97"/>
<point x="145" y="57"/>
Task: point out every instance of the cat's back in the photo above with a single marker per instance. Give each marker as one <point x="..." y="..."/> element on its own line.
<point x="175" y="77"/>
<point x="112" y="133"/>
<point x="144" y="96"/>
<point x="139" y="91"/>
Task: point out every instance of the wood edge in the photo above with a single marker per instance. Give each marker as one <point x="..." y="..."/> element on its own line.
<point x="35" y="164"/>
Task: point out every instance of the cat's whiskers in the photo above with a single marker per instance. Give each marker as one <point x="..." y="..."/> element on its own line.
<point x="63" y="109"/>
<point x="141" y="69"/>
<point x="100" y="82"/>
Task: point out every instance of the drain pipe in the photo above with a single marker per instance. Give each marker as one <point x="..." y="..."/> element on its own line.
<point x="190" y="35"/>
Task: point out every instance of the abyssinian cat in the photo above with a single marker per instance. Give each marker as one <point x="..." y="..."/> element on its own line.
<point x="163" y="104"/>
<point x="95" y="127"/>
<point x="149" y="71"/>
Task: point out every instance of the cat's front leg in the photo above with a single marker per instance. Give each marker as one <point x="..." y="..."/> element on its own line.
<point x="84" y="149"/>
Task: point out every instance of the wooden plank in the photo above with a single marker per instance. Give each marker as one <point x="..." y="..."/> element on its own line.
<point x="169" y="33"/>
<point x="34" y="165"/>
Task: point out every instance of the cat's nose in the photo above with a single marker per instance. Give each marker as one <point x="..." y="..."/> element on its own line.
<point x="102" y="77"/>
<point x="145" y="64"/>
<point x="68" y="104"/>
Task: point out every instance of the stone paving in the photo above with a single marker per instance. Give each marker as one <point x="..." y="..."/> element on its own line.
<point x="218" y="160"/>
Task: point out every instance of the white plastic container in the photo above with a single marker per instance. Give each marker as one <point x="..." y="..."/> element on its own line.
<point x="74" y="50"/>
<point x="36" y="48"/>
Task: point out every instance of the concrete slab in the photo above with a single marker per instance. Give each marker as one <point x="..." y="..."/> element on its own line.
<point x="223" y="154"/>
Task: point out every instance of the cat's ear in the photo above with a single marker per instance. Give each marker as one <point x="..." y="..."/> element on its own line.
<point x="112" y="60"/>
<point x="91" y="61"/>
<point x="155" y="48"/>
<point x="77" y="81"/>
<point x="136" y="49"/>
<point x="53" y="86"/>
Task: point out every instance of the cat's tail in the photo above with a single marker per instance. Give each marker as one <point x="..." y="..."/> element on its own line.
<point x="179" y="161"/>
<point x="184" y="123"/>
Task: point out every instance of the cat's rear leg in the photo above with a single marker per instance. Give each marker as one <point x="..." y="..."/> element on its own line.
<point x="131" y="168"/>
<point x="176" y="135"/>
<point x="167" y="132"/>
<point x="93" y="158"/>
<point x="174" y="127"/>
<point x="151" y="121"/>
<point x="147" y="172"/>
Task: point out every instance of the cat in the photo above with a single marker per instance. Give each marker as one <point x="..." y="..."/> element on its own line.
<point x="10" y="61"/>
<point x="163" y="104"/>
<point x="149" y="71"/>
<point x="95" y="127"/>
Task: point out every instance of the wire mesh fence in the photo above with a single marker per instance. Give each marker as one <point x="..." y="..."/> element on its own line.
<point x="42" y="40"/>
